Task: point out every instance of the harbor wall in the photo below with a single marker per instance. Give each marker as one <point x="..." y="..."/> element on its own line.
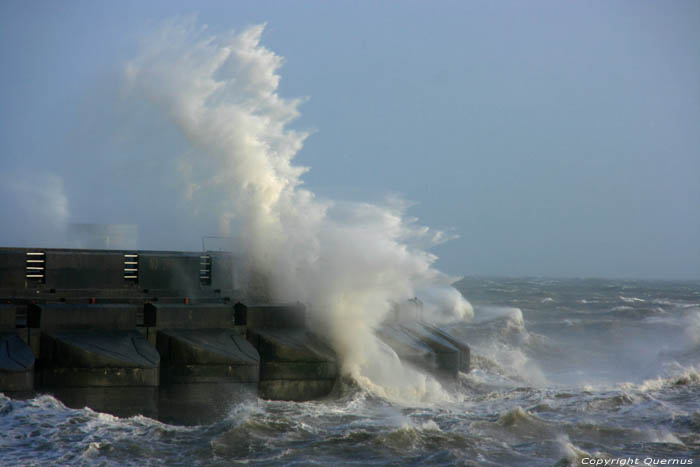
<point x="166" y="334"/>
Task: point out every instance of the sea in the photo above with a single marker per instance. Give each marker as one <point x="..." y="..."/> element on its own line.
<point x="563" y="372"/>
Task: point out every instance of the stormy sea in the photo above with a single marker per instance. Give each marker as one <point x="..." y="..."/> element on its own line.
<point x="564" y="372"/>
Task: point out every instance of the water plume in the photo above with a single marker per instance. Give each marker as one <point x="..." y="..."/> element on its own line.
<point x="349" y="262"/>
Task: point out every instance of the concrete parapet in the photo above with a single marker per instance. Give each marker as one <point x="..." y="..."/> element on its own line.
<point x="179" y="271"/>
<point x="45" y="273"/>
<point x="294" y="364"/>
<point x="90" y="269"/>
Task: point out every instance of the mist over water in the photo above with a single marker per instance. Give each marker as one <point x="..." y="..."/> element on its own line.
<point x="349" y="262"/>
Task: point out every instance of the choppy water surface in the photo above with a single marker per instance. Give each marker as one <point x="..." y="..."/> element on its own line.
<point x="562" y="371"/>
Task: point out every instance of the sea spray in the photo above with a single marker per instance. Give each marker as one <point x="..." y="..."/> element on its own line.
<point x="349" y="262"/>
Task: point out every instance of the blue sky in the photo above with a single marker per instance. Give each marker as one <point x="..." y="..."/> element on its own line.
<point x="555" y="138"/>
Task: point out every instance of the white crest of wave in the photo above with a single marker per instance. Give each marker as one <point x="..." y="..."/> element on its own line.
<point x="347" y="261"/>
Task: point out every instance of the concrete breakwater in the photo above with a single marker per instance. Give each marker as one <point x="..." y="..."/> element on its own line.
<point x="165" y="334"/>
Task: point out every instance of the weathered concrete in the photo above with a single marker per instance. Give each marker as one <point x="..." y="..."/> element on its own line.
<point x="16" y="357"/>
<point x="88" y="352"/>
<point x="105" y="271"/>
<point x="93" y="320"/>
<point x="446" y="361"/>
<point x="192" y="403"/>
<point x="206" y="363"/>
<point x="276" y="316"/>
<point x="16" y="364"/>
<point x="464" y="351"/>
<point x="180" y="316"/>
<point x="90" y="269"/>
<point x="206" y="356"/>
<point x="203" y="373"/>
<point x="407" y="347"/>
<point x="12" y="268"/>
<point x="426" y="347"/>
<point x="177" y="271"/>
<point x="86" y="367"/>
<point x="8" y="316"/>
<point x="295" y="365"/>
<point x="122" y="401"/>
<point x="51" y="316"/>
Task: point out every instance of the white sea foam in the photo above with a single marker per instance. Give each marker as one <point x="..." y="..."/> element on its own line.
<point x="348" y="261"/>
<point x="631" y="299"/>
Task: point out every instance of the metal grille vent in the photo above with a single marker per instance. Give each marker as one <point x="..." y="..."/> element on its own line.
<point x="131" y="267"/>
<point x="36" y="267"/>
<point x="205" y="270"/>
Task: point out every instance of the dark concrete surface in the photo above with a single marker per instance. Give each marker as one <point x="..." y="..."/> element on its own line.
<point x="16" y="364"/>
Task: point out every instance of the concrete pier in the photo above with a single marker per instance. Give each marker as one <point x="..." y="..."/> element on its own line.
<point x="165" y="334"/>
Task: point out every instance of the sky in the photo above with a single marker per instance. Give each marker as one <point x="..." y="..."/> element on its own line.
<point x="556" y="139"/>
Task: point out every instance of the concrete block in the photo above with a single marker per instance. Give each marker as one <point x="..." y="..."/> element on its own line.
<point x="294" y="364"/>
<point x="195" y="316"/>
<point x="446" y="356"/>
<point x="206" y="356"/>
<point x="98" y="349"/>
<point x="31" y="337"/>
<point x="289" y="345"/>
<point x="464" y="351"/>
<point x="427" y="347"/>
<point x="16" y="364"/>
<point x="82" y="316"/>
<point x="289" y="316"/>
<point x="406" y="346"/>
<point x="34" y="340"/>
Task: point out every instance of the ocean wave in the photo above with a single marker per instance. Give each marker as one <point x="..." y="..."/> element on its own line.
<point x="676" y="376"/>
<point x="631" y="299"/>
